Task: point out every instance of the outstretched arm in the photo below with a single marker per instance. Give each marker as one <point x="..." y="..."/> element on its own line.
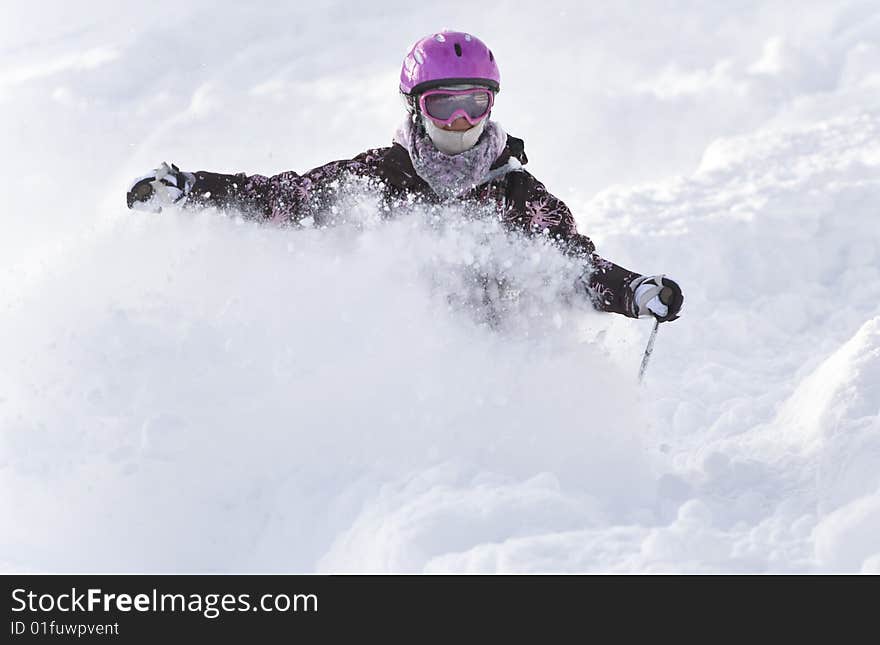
<point x="280" y="198"/>
<point x="284" y="198"/>
<point x="611" y="287"/>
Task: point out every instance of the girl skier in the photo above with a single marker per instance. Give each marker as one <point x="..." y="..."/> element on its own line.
<point x="447" y="149"/>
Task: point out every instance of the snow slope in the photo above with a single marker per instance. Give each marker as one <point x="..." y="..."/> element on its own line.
<point x="190" y="392"/>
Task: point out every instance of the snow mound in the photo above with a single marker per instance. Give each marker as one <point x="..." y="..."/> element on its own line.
<point x="841" y="397"/>
<point x="847" y="539"/>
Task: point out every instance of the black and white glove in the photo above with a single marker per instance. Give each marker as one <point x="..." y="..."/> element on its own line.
<point x="165" y="186"/>
<point x="658" y="296"/>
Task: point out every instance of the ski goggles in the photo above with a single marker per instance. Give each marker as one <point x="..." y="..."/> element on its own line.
<point x="445" y="106"/>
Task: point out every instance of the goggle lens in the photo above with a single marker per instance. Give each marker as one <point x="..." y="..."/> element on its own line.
<point x="445" y="106"/>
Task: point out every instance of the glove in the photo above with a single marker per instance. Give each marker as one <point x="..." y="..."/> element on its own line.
<point x="162" y="187"/>
<point x="658" y="296"/>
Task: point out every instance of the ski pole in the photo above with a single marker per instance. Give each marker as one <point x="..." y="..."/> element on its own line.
<point x="648" y="350"/>
<point x="665" y="296"/>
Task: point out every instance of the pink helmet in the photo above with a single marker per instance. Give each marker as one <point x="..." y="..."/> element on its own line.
<point x="448" y="58"/>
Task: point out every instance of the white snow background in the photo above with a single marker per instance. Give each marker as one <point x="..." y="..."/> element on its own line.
<point x="192" y="392"/>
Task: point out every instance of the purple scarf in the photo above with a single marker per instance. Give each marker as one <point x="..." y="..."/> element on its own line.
<point x="452" y="175"/>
